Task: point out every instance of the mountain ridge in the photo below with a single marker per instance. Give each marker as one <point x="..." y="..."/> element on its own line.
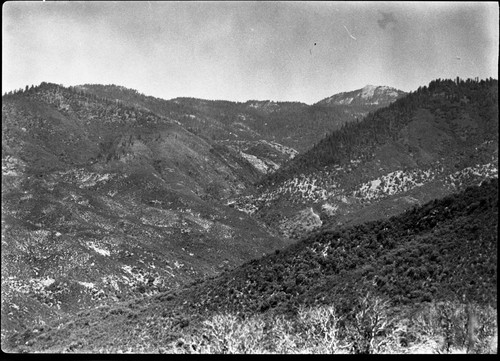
<point x="268" y="133"/>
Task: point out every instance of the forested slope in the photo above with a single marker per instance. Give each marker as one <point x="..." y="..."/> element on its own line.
<point x="434" y="141"/>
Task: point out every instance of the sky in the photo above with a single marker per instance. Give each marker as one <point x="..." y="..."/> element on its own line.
<point x="239" y="51"/>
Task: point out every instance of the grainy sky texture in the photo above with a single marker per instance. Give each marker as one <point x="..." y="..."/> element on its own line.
<point x="286" y="51"/>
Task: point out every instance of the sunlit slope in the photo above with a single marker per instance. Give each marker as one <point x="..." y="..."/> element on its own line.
<point x="102" y="201"/>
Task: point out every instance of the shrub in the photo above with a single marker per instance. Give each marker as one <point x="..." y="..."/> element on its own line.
<point x="318" y="329"/>
<point x="223" y="334"/>
<point x="448" y="327"/>
<point x="368" y="324"/>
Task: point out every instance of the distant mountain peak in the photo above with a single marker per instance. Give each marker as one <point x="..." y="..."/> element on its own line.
<point x="368" y="91"/>
<point x="369" y="95"/>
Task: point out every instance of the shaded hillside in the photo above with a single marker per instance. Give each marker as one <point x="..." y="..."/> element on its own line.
<point x="466" y="111"/>
<point x="443" y="254"/>
<point x="434" y="141"/>
<point x="102" y="201"/>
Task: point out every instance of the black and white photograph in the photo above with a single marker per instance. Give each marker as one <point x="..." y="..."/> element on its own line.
<point x="249" y="177"/>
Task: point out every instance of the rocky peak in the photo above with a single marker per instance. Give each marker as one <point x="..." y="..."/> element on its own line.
<point x="369" y="95"/>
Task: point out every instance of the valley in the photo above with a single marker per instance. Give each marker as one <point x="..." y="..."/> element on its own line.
<point x="120" y="209"/>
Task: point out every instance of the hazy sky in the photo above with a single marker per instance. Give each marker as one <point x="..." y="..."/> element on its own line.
<point x="300" y="51"/>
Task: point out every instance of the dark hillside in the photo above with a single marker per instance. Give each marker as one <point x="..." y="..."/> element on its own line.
<point x="445" y="249"/>
<point x="465" y="110"/>
<point x="432" y="142"/>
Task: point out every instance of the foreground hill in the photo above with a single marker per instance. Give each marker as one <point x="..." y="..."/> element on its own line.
<point x="102" y="200"/>
<point x="406" y="284"/>
<point x="434" y="141"/>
